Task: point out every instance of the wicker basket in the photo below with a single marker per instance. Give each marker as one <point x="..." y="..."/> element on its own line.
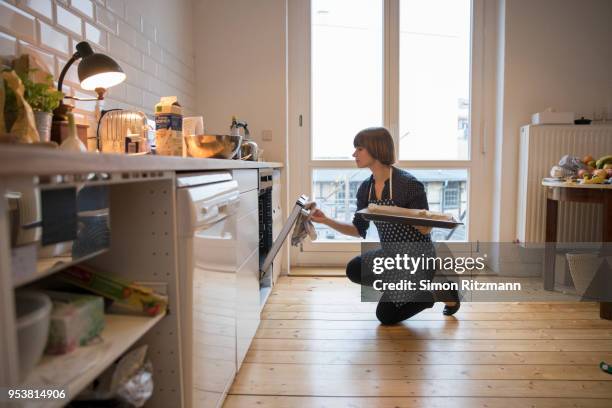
<point x="583" y="267"/>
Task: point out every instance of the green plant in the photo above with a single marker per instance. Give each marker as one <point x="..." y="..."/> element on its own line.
<point x="41" y="96"/>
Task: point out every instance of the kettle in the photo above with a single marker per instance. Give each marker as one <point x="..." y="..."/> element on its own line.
<point x="248" y="149"/>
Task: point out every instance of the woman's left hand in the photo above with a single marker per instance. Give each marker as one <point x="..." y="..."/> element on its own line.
<point x="423" y="230"/>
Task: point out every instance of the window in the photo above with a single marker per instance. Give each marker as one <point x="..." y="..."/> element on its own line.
<point x="434" y="79"/>
<point x="347" y="73"/>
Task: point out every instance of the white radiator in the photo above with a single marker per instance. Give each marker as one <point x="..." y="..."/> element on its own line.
<point x="541" y="147"/>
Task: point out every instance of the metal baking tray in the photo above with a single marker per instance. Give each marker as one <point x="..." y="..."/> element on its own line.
<point x="402" y="219"/>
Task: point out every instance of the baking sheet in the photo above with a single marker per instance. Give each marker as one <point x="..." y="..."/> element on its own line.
<point x="401" y="219"/>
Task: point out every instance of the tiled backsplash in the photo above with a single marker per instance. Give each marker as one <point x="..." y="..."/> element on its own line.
<point x="155" y="61"/>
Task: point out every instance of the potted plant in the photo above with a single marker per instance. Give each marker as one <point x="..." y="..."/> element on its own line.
<point x="42" y="98"/>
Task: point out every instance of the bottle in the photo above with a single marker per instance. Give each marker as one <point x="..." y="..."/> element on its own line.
<point x="72" y="141"/>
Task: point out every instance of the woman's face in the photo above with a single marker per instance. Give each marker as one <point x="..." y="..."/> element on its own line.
<point x="362" y="157"/>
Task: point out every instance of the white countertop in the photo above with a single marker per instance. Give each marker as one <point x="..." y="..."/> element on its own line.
<point x="25" y="160"/>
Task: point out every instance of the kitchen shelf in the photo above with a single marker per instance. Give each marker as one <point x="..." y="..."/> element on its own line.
<point x="48" y="266"/>
<point x="81" y="366"/>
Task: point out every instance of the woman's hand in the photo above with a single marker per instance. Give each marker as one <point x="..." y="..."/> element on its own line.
<point x="318" y="216"/>
<point x="423" y="230"/>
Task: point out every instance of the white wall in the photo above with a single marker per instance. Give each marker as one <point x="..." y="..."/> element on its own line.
<point x="241" y="68"/>
<point x="151" y="39"/>
<point x="557" y="53"/>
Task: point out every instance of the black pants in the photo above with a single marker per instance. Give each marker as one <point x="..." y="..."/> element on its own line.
<point x="386" y="312"/>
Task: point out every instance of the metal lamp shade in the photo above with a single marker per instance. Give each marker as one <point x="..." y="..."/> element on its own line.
<point x="99" y="71"/>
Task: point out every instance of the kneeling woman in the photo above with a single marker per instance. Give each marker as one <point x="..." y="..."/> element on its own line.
<point x="390" y="186"/>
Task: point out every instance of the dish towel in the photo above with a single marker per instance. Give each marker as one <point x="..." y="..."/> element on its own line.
<point x="409" y="212"/>
<point x="303" y="226"/>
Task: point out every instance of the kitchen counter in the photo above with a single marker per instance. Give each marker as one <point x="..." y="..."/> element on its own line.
<point x="26" y="160"/>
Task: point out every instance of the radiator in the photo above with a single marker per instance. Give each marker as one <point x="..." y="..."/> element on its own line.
<point x="541" y="147"/>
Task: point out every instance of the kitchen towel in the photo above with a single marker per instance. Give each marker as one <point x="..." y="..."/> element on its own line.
<point x="303" y="226"/>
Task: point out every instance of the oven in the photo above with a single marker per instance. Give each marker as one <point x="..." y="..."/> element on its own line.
<point x="265" y="226"/>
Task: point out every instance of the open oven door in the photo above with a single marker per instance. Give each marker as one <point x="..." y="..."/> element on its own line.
<point x="265" y="266"/>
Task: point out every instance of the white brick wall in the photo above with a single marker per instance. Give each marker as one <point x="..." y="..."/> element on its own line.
<point x="150" y="39"/>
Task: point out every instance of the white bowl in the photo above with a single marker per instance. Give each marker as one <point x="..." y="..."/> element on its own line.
<point x="33" y="317"/>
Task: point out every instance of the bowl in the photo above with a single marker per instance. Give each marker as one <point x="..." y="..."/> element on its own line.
<point x="33" y="317"/>
<point x="212" y="146"/>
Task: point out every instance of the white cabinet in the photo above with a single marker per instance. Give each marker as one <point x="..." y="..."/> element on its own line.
<point x="247" y="276"/>
<point x="247" y="306"/>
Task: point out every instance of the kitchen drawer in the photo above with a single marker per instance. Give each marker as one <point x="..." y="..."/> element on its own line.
<point x="248" y="236"/>
<point x="248" y="179"/>
<point x="247" y="306"/>
<point x="249" y="202"/>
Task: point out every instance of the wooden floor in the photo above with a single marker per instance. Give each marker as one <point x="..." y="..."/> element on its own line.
<point x="319" y="346"/>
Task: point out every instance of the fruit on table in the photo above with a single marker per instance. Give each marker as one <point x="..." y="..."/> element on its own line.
<point x="586" y="159"/>
<point x="582" y="173"/>
<point x="607" y="166"/>
<point x="592" y="163"/>
<point x="609" y="171"/>
<point x="594" y="180"/>
<point x="601" y="173"/>
<point x="603" y="161"/>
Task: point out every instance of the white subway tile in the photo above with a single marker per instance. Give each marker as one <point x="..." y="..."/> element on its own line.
<point x="71" y="77"/>
<point x="117" y="91"/>
<point x="106" y="18"/>
<point x="133" y="95"/>
<point x="134" y="76"/>
<point x="155" y="51"/>
<point x="69" y="21"/>
<point x="44" y="58"/>
<point x="17" y="22"/>
<point x="85" y="7"/>
<point x="149" y="65"/>
<point x="43" y="8"/>
<point x="153" y="84"/>
<point x="122" y="50"/>
<point x="8" y="45"/>
<point x="149" y="30"/>
<point x="51" y="38"/>
<point x="95" y="35"/>
<point x="117" y="7"/>
<point x="149" y="100"/>
<point x="131" y="36"/>
<point x="132" y="16"/>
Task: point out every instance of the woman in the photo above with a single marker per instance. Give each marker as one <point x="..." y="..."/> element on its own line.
<point x="388" y="185"/>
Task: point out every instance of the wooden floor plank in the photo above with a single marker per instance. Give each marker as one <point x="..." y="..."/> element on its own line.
<point x="296" y="373"/>
<point x="431" y="345"/>
<point x="427" y="388"/>
<point x="567" y="359"/>
<point x="369" y="307"/>
<point x="435" y="316"/>
<point x="434" y="334"/>
<point x="374" y="325"/>
<point x="242" y="401"/>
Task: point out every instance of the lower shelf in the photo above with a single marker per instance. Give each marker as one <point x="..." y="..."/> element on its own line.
<point x="75" y="370"/>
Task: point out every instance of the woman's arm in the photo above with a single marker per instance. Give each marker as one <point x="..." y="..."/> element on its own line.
<point x="345" y="228"/>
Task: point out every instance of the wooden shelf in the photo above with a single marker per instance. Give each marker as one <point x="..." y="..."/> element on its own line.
<point x="75" y="370"/>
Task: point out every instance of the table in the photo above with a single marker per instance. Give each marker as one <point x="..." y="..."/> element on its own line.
<point x="583" y="193"/>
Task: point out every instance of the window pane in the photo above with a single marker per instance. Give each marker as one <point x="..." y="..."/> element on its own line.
<point x="347" y="79"/>
<point x="434" y="79"/>
<point x="446" y="192"/>
<point x="335" y="191"/>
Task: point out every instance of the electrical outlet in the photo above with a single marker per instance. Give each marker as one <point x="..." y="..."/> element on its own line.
<point x="266" y="135"/>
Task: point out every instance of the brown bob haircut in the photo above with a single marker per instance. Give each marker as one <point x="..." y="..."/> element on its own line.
<point x="378" y="142"/>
